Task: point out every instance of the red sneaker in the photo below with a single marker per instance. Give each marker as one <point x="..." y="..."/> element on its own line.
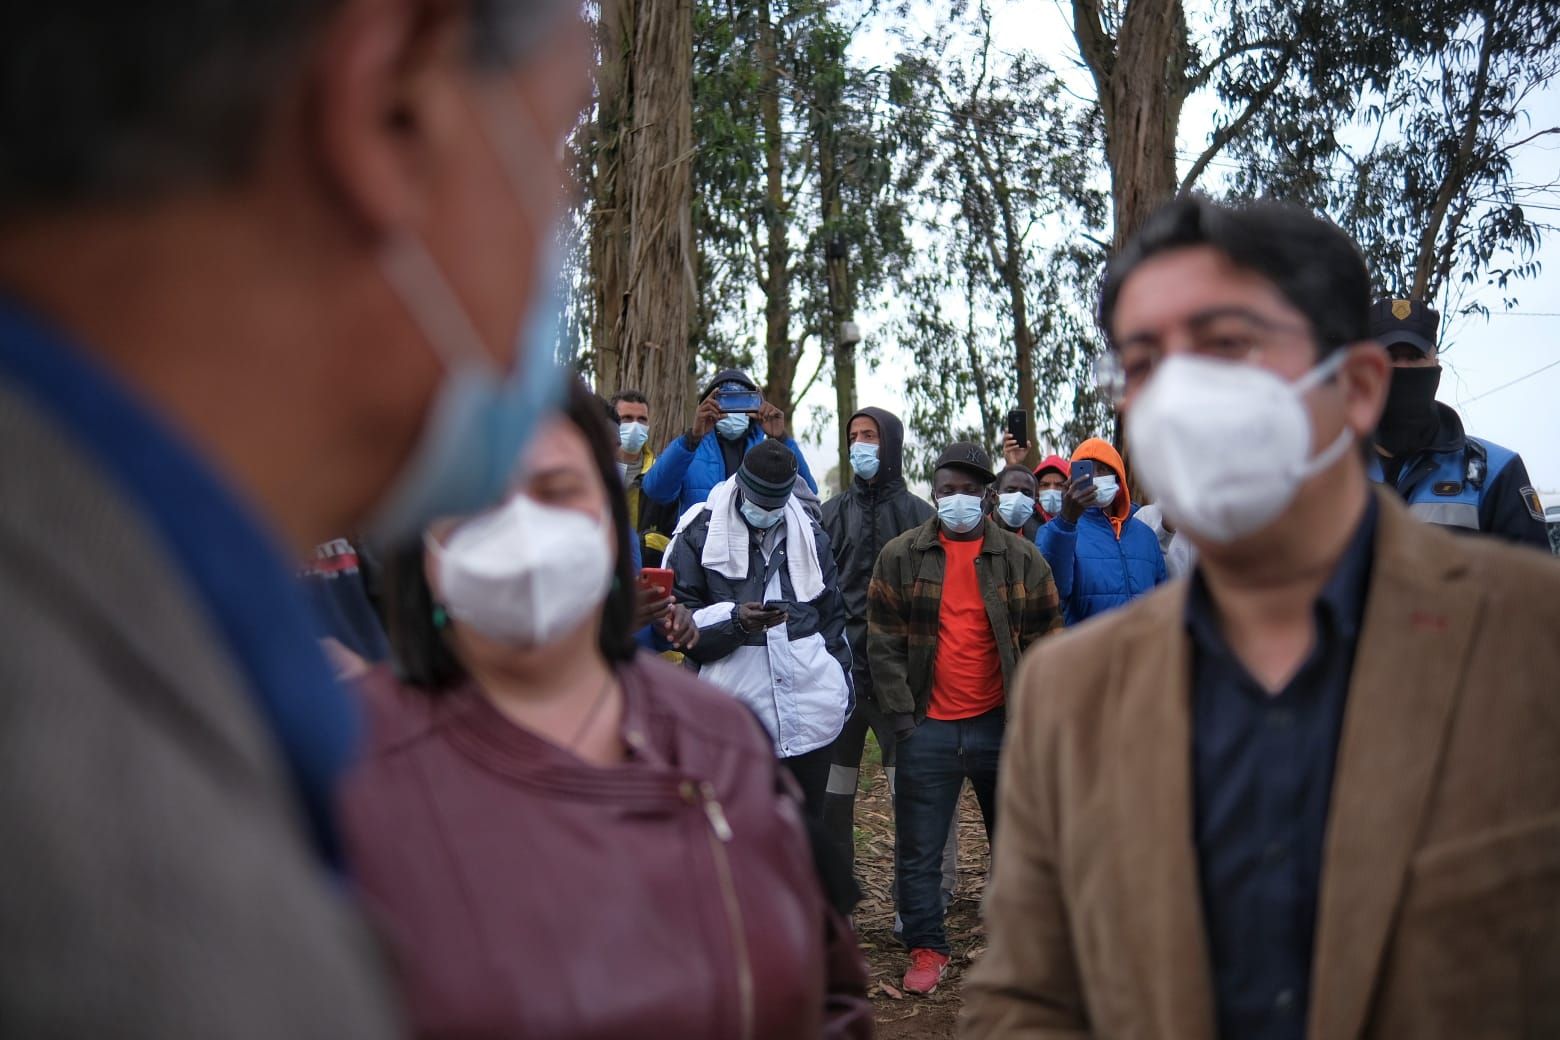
<point x="926" y="970"/>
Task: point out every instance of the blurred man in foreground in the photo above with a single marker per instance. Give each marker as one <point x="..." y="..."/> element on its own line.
<point x="1315" y="790"/>
<point x="258" y="270"/>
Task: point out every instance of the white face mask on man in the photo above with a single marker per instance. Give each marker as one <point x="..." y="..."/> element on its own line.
<point x="525" y="573"/>
<point x="1225" y="446"/>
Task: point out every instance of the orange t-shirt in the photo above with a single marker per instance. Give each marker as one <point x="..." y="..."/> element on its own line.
<point x="967" y="672"/>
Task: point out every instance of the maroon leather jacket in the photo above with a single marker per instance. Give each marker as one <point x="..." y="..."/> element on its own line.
<point x="529" y="894"/>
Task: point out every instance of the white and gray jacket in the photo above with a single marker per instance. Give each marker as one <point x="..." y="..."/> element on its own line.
<point x="795" y="677"/>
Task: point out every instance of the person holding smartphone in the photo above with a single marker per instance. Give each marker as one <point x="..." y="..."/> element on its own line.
<point x="1100" y="553"/>
<point x="759" y="576"/>
<point x="732" y="417"/>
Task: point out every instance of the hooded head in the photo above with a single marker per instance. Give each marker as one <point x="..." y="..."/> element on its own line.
<point x="891" y="443"/>
<point x="1101" y="451"/>
<point x="1053" y="463"/>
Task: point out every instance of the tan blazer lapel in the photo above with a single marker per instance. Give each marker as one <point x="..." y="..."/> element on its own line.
<point x="1160" y="900"/>
<point x="1419" y="623"/>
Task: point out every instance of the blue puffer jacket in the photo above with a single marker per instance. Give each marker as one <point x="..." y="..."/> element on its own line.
<point x="686" y="476"/>
<point x="1096" y="572"/>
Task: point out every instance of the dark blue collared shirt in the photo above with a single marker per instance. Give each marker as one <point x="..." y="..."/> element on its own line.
<point x="1262" y="768"/>
<point x="234" y="568"/>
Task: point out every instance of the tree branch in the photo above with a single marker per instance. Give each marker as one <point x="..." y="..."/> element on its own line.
<point x="1197" y="82"/>
<point x="1227" y="133"/>
<point x="823" y="357"/>
<point x="1098" y="49"/>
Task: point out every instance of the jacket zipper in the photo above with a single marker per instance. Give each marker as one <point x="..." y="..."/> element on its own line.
<point x="719" y="836"/>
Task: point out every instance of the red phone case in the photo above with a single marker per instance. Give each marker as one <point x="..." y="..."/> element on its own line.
<point x="660" y="577"/>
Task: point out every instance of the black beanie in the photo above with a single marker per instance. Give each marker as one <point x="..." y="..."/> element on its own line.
<point x="767" y="474"/>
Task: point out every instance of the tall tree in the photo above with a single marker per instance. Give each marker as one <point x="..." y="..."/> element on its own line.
<point x="1004" y="173"/>
<point x="1423" y="177"/>
<point x="642" y="247"/>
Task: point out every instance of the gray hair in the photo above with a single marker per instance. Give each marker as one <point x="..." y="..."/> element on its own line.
<point x="105" y="101"/>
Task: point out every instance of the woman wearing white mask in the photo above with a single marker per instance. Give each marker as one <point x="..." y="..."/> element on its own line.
<point x="563" y="839"/>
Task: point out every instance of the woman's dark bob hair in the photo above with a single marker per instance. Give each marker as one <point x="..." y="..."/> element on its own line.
<point x="422" y="654"/>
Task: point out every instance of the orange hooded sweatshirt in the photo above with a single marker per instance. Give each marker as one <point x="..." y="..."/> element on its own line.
<point x="1098" y="450"/>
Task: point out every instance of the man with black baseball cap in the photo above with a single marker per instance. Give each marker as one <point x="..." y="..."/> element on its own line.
<point x="1446" y="476"/>
<point x="952" y="605"/>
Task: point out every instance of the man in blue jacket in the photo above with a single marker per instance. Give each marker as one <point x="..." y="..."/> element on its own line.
<point x="712" y="449"/>
<point x="1101" y="555"/>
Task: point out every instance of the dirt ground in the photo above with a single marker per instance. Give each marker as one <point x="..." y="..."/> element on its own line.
<point x="900" y="1015"/>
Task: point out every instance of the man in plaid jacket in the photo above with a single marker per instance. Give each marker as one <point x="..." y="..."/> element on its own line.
<point x="952" y="605"/>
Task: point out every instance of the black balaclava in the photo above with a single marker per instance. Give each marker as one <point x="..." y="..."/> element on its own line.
<point x="1410" y="422"/>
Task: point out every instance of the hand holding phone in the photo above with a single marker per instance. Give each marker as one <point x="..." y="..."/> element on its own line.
<point x="1018" y="427"/>
<point x="1080" y="491"/>
<point x="660" y="578"/>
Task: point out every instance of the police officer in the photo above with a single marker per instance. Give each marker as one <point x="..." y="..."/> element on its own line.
<point x="1446" y="476"/>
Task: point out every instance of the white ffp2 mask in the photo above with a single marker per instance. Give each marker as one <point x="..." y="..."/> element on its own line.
<point x="525" y="573"/>
<point x="1225" y="446"/>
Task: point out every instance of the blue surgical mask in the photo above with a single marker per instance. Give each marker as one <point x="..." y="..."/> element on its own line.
<point x="480" y="418"/>
<point x="632" y="436"/>
<point x="960" y="514"/>
<point x="733" y="427"/>
<point x="1051" y="501"/>
<point x="1105" y="489"/>
<point x="864" y="460"/>
<point x="482" y="414"/>
<point x="1015" y="508"/>
<point x="763" y="519"/>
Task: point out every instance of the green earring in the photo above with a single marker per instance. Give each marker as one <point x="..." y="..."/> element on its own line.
<point x="440" y="618"/>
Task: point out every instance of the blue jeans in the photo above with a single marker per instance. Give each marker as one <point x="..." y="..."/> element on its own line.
<point x="934" y="762"/>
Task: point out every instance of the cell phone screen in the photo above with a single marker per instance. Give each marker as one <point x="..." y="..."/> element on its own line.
<point x="738" y="400"/>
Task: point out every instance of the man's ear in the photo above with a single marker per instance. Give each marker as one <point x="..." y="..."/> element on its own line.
<point x="382" y="90"/>
<point x="1366" y="376"/>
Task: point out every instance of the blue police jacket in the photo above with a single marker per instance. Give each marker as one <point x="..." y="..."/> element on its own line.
<point x="1469" y="484"/>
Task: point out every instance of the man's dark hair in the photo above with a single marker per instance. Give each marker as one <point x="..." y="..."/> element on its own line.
<point x="423" y="656"/>
<point x="110" y="102"/>
<point x="631" y="396"/>
<point x="1017" y="468"/>
<point x="1317" y="267"/>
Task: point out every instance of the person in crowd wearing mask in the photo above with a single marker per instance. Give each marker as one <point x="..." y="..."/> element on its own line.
<point x="653" y="521"/>
<point x="651" y="876"/>
<point x="875" y="509"/>
<point x="1313" y="791"/>
<point x="760" y="578"/>
<point x="1447" y="476"/>
<point x="952" y="606"/>
<point x="1016" y="502"/>
<point x="1051" y="478"/>
<point x="1100" y="554"/>
<point x="714" y="446"/>
<point x="258" y="287"/>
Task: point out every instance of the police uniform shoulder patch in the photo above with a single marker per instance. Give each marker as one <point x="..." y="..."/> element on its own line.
<point x="1531" y="500"/>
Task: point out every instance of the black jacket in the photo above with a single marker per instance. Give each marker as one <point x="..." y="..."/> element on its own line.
<point x="860" y="521"/>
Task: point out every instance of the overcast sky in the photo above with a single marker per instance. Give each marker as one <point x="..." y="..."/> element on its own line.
<point x="1495" y="370"/>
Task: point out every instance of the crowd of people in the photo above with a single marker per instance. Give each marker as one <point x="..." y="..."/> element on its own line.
<point x="366" y="676"/>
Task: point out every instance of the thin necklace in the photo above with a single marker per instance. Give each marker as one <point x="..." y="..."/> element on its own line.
<point x="590" y="716"/>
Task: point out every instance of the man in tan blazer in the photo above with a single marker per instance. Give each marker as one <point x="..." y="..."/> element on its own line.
<point x="1314" y="791"/>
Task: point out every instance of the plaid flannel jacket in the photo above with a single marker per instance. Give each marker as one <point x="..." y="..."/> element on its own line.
<point x="905" y="599"/>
